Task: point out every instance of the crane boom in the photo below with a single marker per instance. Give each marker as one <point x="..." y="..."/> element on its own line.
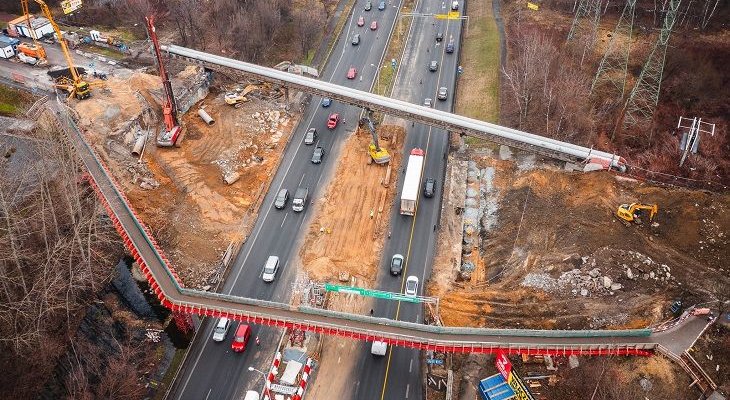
<point x="172" y="130"/>
<point x="36" y="48"/>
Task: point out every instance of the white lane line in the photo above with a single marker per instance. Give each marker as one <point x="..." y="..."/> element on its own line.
<point x="410" y="366"/>
<point x="408" y="389"/>
<point x="208" y="395"/>
<point x="282" y="222"/>
<point x="302" y="180"/>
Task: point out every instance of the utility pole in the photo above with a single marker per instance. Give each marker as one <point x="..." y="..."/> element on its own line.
<point x="612" y="68"/>
<point x="644" y="96"/>
<point x="690" y="140"/>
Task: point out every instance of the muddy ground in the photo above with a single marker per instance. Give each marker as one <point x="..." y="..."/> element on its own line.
<point x="180" y="192"/>
<point x="553" y="243"/>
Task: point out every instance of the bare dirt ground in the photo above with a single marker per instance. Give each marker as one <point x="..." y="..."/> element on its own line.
<point x="179" y="192"/>
<point x="556" y="241"/>
<point x="351" y="220"/>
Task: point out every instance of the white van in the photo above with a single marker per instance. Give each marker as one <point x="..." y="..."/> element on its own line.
<point x="270" y="268"/>
<point x="251" y="395"/>
<point x="221" y="329"/>
<point x="379" y="348"/>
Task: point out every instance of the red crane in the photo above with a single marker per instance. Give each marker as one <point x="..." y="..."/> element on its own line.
<point x="172" y="130"/>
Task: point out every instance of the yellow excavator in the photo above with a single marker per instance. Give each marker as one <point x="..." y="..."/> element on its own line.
<point x="377" y="153"/>
<point x="628" y="213"/>
<point x="75" y="86"/>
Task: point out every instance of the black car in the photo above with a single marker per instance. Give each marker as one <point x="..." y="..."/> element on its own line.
<point x="318" y="155"/>
<point x="396" y="264"/>
<point x="429" y="187"/>
<point x="450" y="48"/>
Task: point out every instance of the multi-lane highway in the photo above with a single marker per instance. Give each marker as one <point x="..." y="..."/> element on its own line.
<point x="398" y="374"/>
<point x="211" y="370"/>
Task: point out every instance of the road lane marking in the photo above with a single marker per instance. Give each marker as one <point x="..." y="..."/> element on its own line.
<point x="302" y="180"/>
<point x="408" y="389"/>
<point x="282" y="222"/>
<point x="410" y="366"/>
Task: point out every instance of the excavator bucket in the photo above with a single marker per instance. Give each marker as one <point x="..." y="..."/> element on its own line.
<point x="380" y="157"/>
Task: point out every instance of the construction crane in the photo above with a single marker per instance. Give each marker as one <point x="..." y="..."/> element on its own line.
<point x="171" y="132"/>
<point x="633" y="212"/>
<point x="377" y="153"/>
<point x="76" y="86"/>
<point x="34" y="50"/>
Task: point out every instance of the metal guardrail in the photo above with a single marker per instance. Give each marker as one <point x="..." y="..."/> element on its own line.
<point x="401" y="333"/>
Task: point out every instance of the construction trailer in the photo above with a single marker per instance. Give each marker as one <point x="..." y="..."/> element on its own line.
<point x="39" y="27"/>
<point x="8" y="47"/>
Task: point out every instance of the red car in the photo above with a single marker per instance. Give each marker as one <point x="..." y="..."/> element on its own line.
<point x="360" y="21"/>
<point x="351" y="73"/>
<point x="243" y="333"/>
<point x="374" y="25"/>
<point x="333" y="120"/>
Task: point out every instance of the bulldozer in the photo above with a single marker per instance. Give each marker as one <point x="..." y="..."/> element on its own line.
<point x="377" y="153"/>
<point x="237" y="97"/>
<point x="628" y="213"/>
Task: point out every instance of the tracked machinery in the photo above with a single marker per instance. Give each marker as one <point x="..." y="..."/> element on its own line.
<point x="171" y="133"/>
<point x="377" y="153"/>
<point x="634" y="212"/>
<point x="74" y="84"/>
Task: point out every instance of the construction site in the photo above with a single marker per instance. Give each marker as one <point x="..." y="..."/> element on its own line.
<point x="203" y="152"/>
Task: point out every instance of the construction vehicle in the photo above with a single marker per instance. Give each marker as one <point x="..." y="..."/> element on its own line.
<point x="628" y="213"/>
<point x="412" y="182"/>
<point x="34" y="50"/>
<point x="377" y="153"/>
<point x="237" y="97"/>
<point x="75" y="85"/>
<point x="171" y="132"/>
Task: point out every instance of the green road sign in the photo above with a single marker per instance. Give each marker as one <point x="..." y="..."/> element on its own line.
<point x="378" y="294"/>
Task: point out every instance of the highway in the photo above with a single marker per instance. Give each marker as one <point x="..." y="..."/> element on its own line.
<point x="398" y="375"/>
<point x="212" y="370"/>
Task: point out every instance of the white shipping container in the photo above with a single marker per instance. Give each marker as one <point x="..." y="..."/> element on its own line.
<point x="6" y="51"/>
<point x="41" y="26"/>
<point x="411" y="183"/>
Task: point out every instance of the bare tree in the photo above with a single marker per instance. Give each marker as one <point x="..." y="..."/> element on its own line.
<point x="307" y="20"/>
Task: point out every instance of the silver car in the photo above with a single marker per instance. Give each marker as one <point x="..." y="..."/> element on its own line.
<point x="281" y="198"/>
<point x="311" y="136"/>
<point x="443" y="93"/>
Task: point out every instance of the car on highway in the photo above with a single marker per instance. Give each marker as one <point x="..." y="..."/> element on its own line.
<point x="221" y="329"/>
<point x="428" y="102"/>
<point x="351" y="73"/>
<point x="361" y="21"/>
<point x="374" y="25"/>
<point x="243" y="333"/>
<point x="311" y="136"/>
<point x="429" y="187"/>
<point x="270" y="269"/>
<point x="368" y="5"/>
<point x="433" y="66"/>
<point x="281" y="198"/>
<point x="443" y="93"/>
<point x="396" y="264"/>
<point x="412" y="286"/>
<point x="333" y="120"/>
<point x="381" y="5"/>
<point x="454" y="5"/>
<point x="326" y="102"/>
<point x="450" y="47"/>
<point x="439" y="35"/>
<point x="356" y="39"/>
<point x="317" y="155"/>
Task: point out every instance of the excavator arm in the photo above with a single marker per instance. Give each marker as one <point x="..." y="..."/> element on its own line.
<point x="378" y="154"/>
<point x="629" y="212"/>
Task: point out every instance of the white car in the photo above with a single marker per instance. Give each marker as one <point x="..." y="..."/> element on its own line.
<point x="221" y="329"/>
<point x="412" y="286"/>
<point x="270" y="268"/>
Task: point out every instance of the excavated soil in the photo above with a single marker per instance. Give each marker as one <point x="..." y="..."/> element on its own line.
<point x="554" y="227"/>
<point x="346" y="234"/>
<point x="180" y="192"/>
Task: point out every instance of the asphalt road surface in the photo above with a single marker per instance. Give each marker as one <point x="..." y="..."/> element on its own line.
<point x="398" y="374"/>
<point x="211" y="370"/>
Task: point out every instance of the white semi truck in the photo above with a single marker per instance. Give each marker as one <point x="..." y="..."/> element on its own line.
<point x="412" y="182"/>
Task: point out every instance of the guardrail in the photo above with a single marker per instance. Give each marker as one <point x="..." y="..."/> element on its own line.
<point x="164" y="281"/>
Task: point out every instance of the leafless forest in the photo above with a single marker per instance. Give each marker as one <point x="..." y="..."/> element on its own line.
<point x="56" y="249"/>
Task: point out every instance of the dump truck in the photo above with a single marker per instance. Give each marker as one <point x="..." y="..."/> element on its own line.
<point x="300" y="199"/>
<point x="412" y="182"/>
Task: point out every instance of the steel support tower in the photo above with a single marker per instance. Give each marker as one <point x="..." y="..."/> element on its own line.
<point x="612" y="68"/>
<point x="586" y="9"/>
<point x="644" y="96"/>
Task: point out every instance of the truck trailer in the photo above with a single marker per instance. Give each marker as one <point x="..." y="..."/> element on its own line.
<point x="300" y="199"/>
<point x="412" y="182"/>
